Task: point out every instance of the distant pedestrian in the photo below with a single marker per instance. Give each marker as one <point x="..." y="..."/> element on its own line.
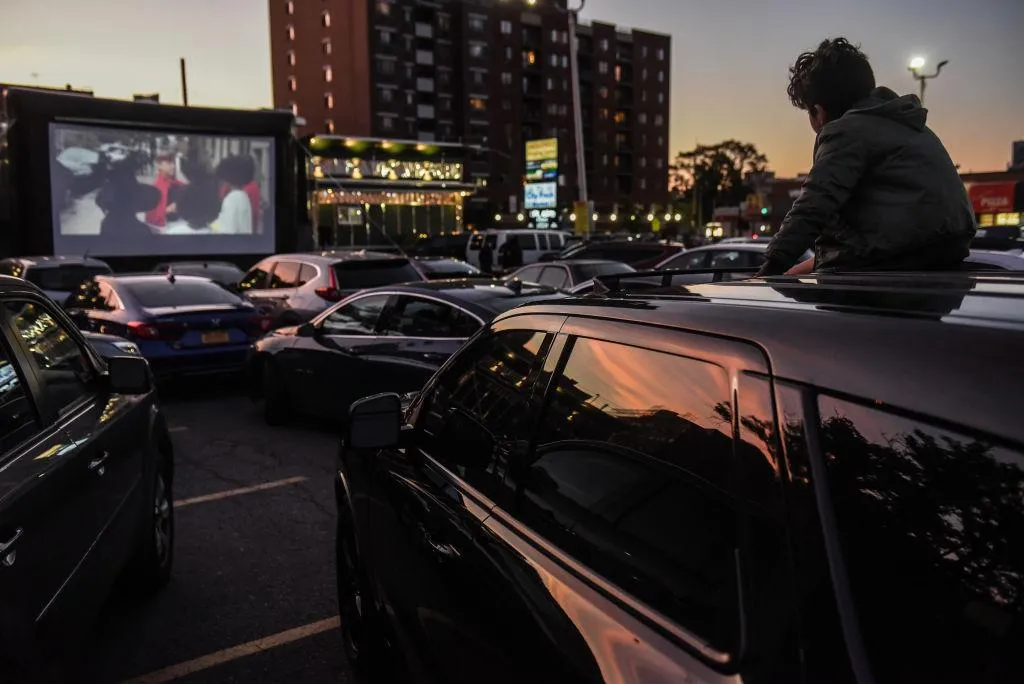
<point x="883" y="193"/>
<point x="486" y="256"/>
<point x="511" y="254"/>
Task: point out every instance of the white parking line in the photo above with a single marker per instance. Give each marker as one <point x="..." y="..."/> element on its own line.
<point x="180" y="503"/>
<point x="177" y="428"/>
<point x="266" y="643"/>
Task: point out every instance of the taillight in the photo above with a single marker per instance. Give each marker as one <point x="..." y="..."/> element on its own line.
<point x="331" y="293"/>
<point x="156" y="331"/>
<point x="257" y="325"/>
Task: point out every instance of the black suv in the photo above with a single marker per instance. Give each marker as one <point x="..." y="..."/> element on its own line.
<point x="86" y="467"/>
<point x="814" y="480"/>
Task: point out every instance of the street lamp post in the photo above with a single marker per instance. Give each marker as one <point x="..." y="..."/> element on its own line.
<point x="577" y="111"/>
<point x="915" y="66"/>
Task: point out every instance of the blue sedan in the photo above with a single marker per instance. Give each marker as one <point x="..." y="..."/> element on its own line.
<point x="182" y="325"/>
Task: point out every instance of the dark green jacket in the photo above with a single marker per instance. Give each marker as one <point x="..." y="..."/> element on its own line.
<point x="883" y="194"/>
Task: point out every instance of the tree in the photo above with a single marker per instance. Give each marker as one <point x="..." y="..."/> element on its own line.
<point x="715" y="175"/>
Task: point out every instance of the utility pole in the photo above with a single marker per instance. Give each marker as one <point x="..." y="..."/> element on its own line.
<point x="577" y="114"/>
<point x="184" y="82"/>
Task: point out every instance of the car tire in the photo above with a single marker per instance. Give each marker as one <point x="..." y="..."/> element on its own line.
<point x="149" y="568"/>
<point x="359" y="628"/>
<point x="276" y="405"/>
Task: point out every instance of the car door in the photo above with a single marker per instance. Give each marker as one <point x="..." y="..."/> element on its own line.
<point x="418" y="334"/>
<point x="255" y="285"/>
<point x="106" y="442"/>
<point x="437" y="567"/>
<point x="48" y="496"/>
<point x="331" y="367"/>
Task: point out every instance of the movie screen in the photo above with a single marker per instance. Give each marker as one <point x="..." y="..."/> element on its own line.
<point x="119" y="192"/>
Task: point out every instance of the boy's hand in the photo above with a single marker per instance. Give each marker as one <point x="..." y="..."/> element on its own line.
<point x="803" y="268"/>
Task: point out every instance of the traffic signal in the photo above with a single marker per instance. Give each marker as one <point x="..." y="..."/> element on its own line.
<point x="764" y="211"/>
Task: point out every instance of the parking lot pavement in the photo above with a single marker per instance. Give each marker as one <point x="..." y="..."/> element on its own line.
<point x="252" y="597"/>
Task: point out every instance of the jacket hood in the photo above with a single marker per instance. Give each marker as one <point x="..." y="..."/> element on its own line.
<point x="905" y="109"/>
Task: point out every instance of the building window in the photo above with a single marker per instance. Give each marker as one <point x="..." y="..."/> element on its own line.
<point x="444" y="22"/>
<point x="385" y="37"/>
<point x="551" y="84"/>
<point x="643" y="51"/>
<point x="386" y="95"/>
<point x="289" y="7"/>
<point x="554" y="60"/>
<point x="328" y="100"/>
<point x="294" y="108"/>
<point x="658" y="163"/>
<point x="506" y="78"/>
<point x="604" y="44"/>
<point x="620" y="117"/>
<point x="661" y="141"/>
<point x="506" y="104"/>
<point x="643" y="183"/>
<point x="478" y="104"/>
<point x="290" y="30"/>
<point x="325" y="19"/>
<point x="328" y="74"/>
<point x="291" y="58"/>
<point x="383" y="7"/>
<point x="641" y="118"/>
<point x="603" y="113"/>
<point x="326" y="46"/>
<point x="661" y="77"/>
<point x="410" y="98"/>
<point x="618" y="73"/>
<point x="508" y="53"/>
<point x="661" y="54"/>
<point x="479" y="77"/>
<point x="604" y="160"/>
<point x="386" y="66"/>
<point x="292" y="84"/>
<point x="476" y="50"/>
<point x="408" y="70"/>
<point x="529" y="57"/>
<point x="661" y="98"/>
<point x="602" y="67"/>
<point x="329" y="125"/>
<point x="565" y="61"/>
<point x="643" y="96"/>
<point x="387" y="123"/>
<point x="476" y="22"/>
<point x="643" y="162"/>
<point x="659" y="120"/>
<point x="506" y="27"/>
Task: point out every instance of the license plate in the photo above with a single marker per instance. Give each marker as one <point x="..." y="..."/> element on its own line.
<point x="216" y="337"/>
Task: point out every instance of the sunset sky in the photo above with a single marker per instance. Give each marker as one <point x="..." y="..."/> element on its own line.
<point x="728" y="68"/>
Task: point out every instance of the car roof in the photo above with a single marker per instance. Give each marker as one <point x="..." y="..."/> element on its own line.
<point x="572" y="263"/>
<point x="334" y="256"/>
<point x="60" y="260"/>
<point x="758" y="246"/>
<point x="887" y="338"/>
<point x="129" y="278"/>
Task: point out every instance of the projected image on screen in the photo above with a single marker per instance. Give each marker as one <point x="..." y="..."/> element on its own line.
<point x="125" y="192"/>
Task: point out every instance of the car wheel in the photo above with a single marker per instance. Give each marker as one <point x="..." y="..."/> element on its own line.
<point x="150" y="566"/>
<point x="276" y="406"/>
<point x="359" y="631"/>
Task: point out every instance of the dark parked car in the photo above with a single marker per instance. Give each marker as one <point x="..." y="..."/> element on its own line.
<point x="183" y="325"/>
<point x="639" y="254"/>
<point x="293" y="288"/>
<point x="57" y="276"/>
<point x="86" y="467"/>
<point x="565" y="275"/>
<point x="813" y="480"/>
<point x="385" y="339"/>
<point x="111" y="345"/>
<point x="223" y="273"/>
<point x="445" y="268"/>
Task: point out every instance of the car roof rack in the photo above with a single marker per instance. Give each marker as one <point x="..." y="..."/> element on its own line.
<point x="607" y="284"/>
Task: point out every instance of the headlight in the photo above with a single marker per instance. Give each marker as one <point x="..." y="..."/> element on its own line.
<point x="127" y="347"/>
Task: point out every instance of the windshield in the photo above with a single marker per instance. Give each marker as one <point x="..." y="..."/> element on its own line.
<point x="62" y="278"/>
<point x="359" y="275"/>
<point x="587" y="271"/>
<point x="160" y="292"/>
<point x="449" y="266"/>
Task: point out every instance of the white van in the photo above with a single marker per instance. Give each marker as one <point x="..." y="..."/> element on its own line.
<point x="533" y="241"/>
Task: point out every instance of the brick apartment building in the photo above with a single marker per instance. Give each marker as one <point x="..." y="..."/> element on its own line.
<point x="489" y="73"/>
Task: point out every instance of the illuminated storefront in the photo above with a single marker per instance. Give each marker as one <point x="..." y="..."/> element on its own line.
<point x="371" y="192"/>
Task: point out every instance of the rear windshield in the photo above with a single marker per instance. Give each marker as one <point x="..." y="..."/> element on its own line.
<point x="588" y="271"/>
<point x="449" y="266"/>
<point x="219" y="273"/>
<point x="159" y="293"/>
<point x="358" y="275"/>
<point x="64" y="278"/>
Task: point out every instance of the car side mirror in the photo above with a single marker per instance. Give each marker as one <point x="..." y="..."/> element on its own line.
<point x="375" y="422"/>
<point x="129" y="375"/>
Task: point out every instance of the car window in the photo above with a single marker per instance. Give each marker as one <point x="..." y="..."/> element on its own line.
<point x="544" y="242"/>
<point x="930" y="521"/>
<point x="688" y="261"/>
<point x="18" y="420"/>
<point x="356" y="317"/>
<point x="587" y="271"/>
<point x="412" y="316"/>
<point x="530" y="274"/>
<point x="480" y="400"/>
<point x="631" y="476"/>
<point x="306" y="274"/>
<point x="62" y="278"/>
<point x="554" y="276"/>
<point x="256" y="278"/>
<point x="285" y="275"/>
<point x="155" y="293"/>
<point x="64" y="367"/>
<point x="727" y="259"/>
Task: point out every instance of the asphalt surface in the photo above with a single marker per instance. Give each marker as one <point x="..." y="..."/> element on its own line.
<point x="249" y="566"/>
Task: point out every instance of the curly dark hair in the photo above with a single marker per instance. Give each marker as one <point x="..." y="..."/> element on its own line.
<point x="835" y="76"/>
<point x="237" y="171"/>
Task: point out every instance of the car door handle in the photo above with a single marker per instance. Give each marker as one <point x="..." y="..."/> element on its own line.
<point x="98" y="465"/>
<point x="7" y="554"/>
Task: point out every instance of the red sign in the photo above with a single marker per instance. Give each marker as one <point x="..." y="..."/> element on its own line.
<point x="992" y="198"/>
